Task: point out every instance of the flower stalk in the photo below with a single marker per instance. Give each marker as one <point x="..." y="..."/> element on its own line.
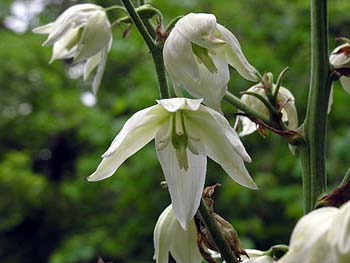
<point x="155" y="48"/>
<point x="313" y="156"/>
<point x="216" y="234"/>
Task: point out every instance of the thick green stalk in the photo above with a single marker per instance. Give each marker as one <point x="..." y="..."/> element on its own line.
<point x="155" y="48"/>
<point x="215" y="233"/>
<point x="314" y="155"/>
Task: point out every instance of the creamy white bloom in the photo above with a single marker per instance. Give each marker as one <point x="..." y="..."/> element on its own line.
<point x="169" y="236"/>
<point x="185" y="133"/>
<point x="340" y="58"/>
<point x="284" y="98"/>
<point x="197" y="54"/>
<point x="82" y="33"/>
<point x="322" y="236"/>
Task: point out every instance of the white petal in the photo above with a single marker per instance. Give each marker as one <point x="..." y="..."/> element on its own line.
<point x="339" y="233"/>
<point x="100" y="70"/>
<point x="45" y="29"/>
<point x="175" y="104"/>
<point x="185" y="187"/>
<point x="179" y="60"/>
<point x="289" y="107"/>
<point x="137" y="132"/>
<point x="340" y="57"/>
<point x="184" y="247"/>
<point x="95" y="37"/>
<point x="74" y="17"/>
<point x="91" y="64"/>
<point x="330" y="100"/>
<point x="163" y="233"/>
<point x="197" y="28"/>
<point x="345" y="82"/>
<point x="235" y="56"/>
<point x="221" y="143"/>
<point x="170" y="237"/>
<point x="60" y="50"/>
<point x="307" y="243"/>
<point x="248" y="126"/>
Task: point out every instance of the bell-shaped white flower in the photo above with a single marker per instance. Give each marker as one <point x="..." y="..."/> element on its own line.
<point x="169" y="236"/>
<point x="284" y="98"/>
<point x="82" y="33"/>
<point x="185" y="133"/>
<point x="322" y="236"/>
<point x="340" y="58"/>
<point x="197" y="53"/>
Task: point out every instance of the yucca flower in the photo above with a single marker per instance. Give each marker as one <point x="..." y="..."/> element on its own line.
<point x="169" y="236"/>
<point x="185" y="133"/>
<point x="284" y="98"/>
<point x="321" y="236"/>
<point x="197" y="54"/>
<point x="82" y="33"/>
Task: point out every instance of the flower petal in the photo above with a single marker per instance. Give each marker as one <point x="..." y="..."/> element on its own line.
<point x="179" y="60"/>
<point x="221" y="143"/>
<point x="291" y="114"/>
<point x="175" y="104"/>
<point x="169" y="236"/>
<point x="45" y="29"/>
<point x="235" y="56"/>
<point x="308" y="238"/>
<point x="345" y="82"/>
<point x="162" y="236"/>
<point x="100" y="70"/>
<point x="95" y="37"/>
<point x="137" y="132"/>
<point x="248" y="126"/>
<point x="185" y="186"/>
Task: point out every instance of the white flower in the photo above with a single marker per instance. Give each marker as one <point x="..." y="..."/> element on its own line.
<point x="169" y="236"/>
<point x="284" y="98"/>
<point x="185" y="133"/>
<point x="197" y="54"/>
<point x="83" y="33"/>
<point x="322" y="236"/>
<point x="340" y="58"/>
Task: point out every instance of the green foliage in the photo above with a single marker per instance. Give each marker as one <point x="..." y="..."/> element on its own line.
<point x="50" y="141"/>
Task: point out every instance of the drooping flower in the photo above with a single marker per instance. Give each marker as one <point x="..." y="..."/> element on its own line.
<point x="321" y="236"/>
<point x="197" y="54"/>
<point x="185" y="133"/>
<point x="340" y="59"/>
<point x="169" y="236"/>
<point x="82" y="33"/>
<point x="284" y="98"/>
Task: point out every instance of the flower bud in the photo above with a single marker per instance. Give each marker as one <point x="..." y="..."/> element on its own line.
<point x="284" y="99"/>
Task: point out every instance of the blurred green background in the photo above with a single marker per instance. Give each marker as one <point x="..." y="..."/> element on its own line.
<point x="52" y="138"/>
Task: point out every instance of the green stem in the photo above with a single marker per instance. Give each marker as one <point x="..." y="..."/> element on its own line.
<point x="232" y="99"/>
<point x="316" y="116"/>
<point x="215" y="233"/>
<point x="155" y="49"/>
